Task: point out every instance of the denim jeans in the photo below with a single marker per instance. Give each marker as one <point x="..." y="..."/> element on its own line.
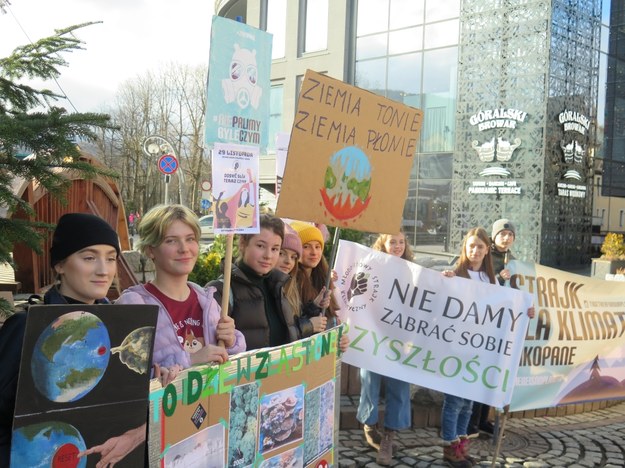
<point x="397" y="414"/>
<point x="455" y="417"/>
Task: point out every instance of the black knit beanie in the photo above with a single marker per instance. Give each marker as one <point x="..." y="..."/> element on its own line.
<point x="76" y="231"/>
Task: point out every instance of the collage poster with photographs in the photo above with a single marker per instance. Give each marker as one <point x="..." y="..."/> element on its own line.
<point x="270" y="408"/>
<point x="83" y="384"/>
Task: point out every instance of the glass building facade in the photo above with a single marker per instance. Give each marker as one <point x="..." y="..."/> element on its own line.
<point x="519" y="99"/>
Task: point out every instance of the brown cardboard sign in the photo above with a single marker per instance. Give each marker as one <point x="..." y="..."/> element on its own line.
<point x="263" y="408"/>
<point x="349" y="157"/>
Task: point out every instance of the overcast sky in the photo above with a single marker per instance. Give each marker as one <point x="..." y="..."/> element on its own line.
<point x="135" y="36"/>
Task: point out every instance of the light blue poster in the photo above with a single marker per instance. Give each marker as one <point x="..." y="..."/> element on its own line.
<point x="239" y="83"/>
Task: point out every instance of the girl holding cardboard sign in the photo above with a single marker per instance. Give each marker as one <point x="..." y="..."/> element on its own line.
<point x="83" y="254"/>
<point x="189" y="319"/>
<point x="257" y="302"/>
<point x="310" y="321"/>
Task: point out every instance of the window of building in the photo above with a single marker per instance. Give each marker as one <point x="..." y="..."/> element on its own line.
<point x="437" y="10"/>
<point x="442" y="34"/>
<point x="276" y="25"/>
<point x="314" y="25"/>
<point x="372" y="16"/>
<point x="372" y="46"/>
<point x="405" y="40"/>
<point x="404" y="83"/>
<point x="406" y="13"/>
<point x="620" y="218"/>
<point x="407" y="50"/>
<point x="276" y="98"/>
<point x="371" y="75"/>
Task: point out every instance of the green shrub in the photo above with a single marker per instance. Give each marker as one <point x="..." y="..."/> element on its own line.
<point x="613" y="247"/>
<point x="208" y="265"/>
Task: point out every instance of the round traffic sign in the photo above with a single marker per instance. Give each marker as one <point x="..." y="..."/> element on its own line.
<point x="206" y="185"/>
<point x="167" y="164"/>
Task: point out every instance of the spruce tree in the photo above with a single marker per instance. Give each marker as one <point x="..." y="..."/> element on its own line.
<point x="31" y="123"/>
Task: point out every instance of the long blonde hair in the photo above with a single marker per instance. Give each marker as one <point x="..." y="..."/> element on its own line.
<point x="291" y="291"/>
<point x="380" y="242"/>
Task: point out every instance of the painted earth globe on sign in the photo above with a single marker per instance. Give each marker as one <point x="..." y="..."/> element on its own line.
<point x="52" y="443"/>
<point x="347" y="183"/>
<point x="70" y="356"/>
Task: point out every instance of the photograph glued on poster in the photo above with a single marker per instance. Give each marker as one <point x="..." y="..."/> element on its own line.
<point x="84" y="381"/>
<point x="235" y="189"/>
<point x="275" y="408"/>
<point x="349" y="157"/>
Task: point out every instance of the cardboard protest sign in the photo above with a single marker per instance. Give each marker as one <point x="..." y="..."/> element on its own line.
<point x="454" y="335"/>
<point x="239" y="84"/>
<point x="84" y="380"/>
<point x="235" y="181"/>
<point x="574" y="349"/>
<point x="265" y="408"/>
<point x="349" y="157"/>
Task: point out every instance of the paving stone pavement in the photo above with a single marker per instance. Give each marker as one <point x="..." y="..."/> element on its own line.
<point x="592" y="439"/>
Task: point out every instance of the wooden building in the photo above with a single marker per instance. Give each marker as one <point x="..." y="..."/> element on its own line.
<point x="99" y="196"/>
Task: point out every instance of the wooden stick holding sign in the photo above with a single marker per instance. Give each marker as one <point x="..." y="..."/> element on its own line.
<point x="499" y="433"/>
<point x="235" y="179"/>
<point x="225" y="295"/>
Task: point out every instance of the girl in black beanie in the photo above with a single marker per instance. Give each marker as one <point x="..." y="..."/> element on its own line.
<point x="84" y="255"/>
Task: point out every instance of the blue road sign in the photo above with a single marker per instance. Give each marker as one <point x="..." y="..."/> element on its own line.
<point x="168" y="164"/>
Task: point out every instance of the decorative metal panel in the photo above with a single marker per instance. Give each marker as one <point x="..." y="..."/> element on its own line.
<point x="520" y="65"/>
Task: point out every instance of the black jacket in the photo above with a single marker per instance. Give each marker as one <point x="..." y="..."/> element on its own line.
<point x="11" y="339"/>
<point x="499" y="262"/>
<point x="247" y="307"/>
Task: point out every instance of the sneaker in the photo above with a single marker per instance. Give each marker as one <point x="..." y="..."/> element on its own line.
<point x="385" y="454"/>
<point x="373" y="436"/>
<point x="473" y="432"/>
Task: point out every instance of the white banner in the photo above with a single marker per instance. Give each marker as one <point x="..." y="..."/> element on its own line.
<point x="453" y="335"/>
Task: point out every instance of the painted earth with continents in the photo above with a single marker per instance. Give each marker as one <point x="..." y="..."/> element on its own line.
<point x="54" y="444"/>
<point x="70" y="356"/>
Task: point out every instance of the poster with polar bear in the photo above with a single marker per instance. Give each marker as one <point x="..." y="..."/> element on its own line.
<point x="239" y="84"/>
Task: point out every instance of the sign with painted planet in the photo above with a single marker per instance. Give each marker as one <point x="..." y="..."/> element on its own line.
<point x="52" y="444"/>
<point x="349" y="157"/>
<point x="70" y="356"/>
<point x="83" y="383"/>
<point x="347" y="183"/>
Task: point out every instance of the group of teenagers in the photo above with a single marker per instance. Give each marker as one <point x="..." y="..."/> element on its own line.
<point x="278" y="295"/>
<point x="482" y="258"/>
